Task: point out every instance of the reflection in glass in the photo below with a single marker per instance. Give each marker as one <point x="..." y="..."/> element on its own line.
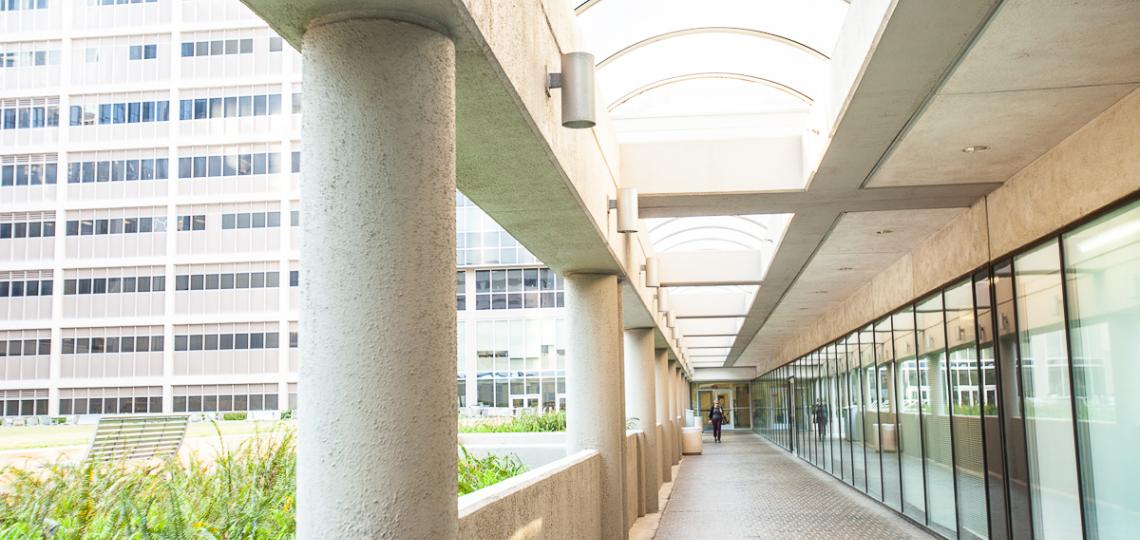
<point x="991" y="409"/>
<point x="1046" y="392"/>
<point x="1015" y="458"/>
<point x="965" y="397"/>
<point x="885" y="358"/>
<point x="855" y="384"/>
<point x="935" y="405"/>
<point x="910" y="432"/>
<point x="870" y="412"/>
<point x="1102" y="269"/>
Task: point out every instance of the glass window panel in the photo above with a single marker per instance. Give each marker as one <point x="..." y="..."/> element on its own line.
<point x="965" y="398"/>
<point x="934" y="403"/>
<point x="1046" y="394"/>
<point x="1102" y="272"/>
<point x="909" y="430"/>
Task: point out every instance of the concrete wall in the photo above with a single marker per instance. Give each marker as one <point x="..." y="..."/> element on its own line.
<point x="558" y="500"/>
<point x="544" y="502"/>
<point x="1094" y="167"/>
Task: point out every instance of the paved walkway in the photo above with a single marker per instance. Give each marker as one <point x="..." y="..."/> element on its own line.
<point x="746" y="487"/>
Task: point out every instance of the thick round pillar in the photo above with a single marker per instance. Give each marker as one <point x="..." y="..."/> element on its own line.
<point x="661" y="373"/>
<point x="640" y="403"/>
<point x="595" y="414"/>
<point x="377" y="435"/>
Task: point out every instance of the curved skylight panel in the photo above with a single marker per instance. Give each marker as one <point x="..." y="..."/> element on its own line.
<point x="717" y="233"/>
<point x="706" y="289"/>
<point x="690" y="97"/>
<point x="712" y="56"/>
<point x="608" y="26"/>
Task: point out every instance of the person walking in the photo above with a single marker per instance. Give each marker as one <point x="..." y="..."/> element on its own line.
<point x="820" y="418"/>
<point x="716" y="415"/>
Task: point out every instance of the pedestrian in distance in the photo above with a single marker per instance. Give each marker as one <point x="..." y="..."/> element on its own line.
<point x="716" y="416"/>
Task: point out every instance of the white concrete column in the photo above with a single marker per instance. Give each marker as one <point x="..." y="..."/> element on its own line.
<point x="595" y="412"/>
<point x="377" y="438"/>
<point x="675" y="451"/>
<point x="640" y="402"/>
<point x="666" y="444"/>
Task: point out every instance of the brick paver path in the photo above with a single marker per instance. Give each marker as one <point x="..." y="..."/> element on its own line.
<point x="747" y="487"/>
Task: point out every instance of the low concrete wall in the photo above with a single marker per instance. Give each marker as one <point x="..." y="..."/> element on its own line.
<point x="557" y="500"/>
<point x="533" y="449"/>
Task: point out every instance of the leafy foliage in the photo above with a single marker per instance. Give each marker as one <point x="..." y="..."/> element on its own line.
<point x="477" y="473"/>
<point x="527" y="422"/>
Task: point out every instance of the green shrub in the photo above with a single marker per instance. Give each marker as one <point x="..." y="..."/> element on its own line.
<point x="287" y="414"/>
<point x="235" y="416"/>
<point x="248" y="492"/>
<point x="478" y="473"/>
<point x="526" y="422"/>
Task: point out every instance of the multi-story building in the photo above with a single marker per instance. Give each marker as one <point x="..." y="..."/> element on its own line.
<point x="149" y="211"/>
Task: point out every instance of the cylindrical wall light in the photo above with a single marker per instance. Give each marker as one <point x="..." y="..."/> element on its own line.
<point x="671" y="319"/>
<point x="627" y="210"/>
<point x="577" y="84"/>
<point x="662" y="300"/>
<point x="651" y="278"/>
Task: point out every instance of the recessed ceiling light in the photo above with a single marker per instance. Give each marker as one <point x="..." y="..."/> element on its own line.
<point x="975" y="148"/>
<point x="819" y="292"/>
<point x="845" y="268"/>
<point x="884" y="231"/>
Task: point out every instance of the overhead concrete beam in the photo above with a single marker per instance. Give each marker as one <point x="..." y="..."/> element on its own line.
<point x="709" y="305"/>
<point x="898" y="70"/>
<point x="684" y="268"/>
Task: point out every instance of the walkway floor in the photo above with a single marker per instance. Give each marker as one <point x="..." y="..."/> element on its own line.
<point x="746" y="487"/>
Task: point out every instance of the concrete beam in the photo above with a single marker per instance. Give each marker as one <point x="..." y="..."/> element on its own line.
<point x="681" y="268"/>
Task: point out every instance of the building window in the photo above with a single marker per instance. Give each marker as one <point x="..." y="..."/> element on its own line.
<point x="111" y="344"/>
<point x="132" y="225"/>
<point x="27" y="229"/>
<point x="225" y="398"/>
<point x="129" y="400"/>
<point x="29" y="173"/>
<point x="212" y="166"/>
<point x="29" y="113"/>
<point x="121" y="170"/>
<point x="518" y="288"/>
<point x="24" y="402"/>
<point x="226" y="342"/>
<point x="143" y="52"/>
<point x="217" y="47"/>
<point x="130" y="112"/>
<point x="251" y="220"/>
<point x="25" y="347"/>
<point x="29" y="287"/>
<point x="22" y="5"/>
<point x="192" y="223"/>
<point x="238" y="280"/>
<point x="229" y="106"/>
<point x="114" y="285"/>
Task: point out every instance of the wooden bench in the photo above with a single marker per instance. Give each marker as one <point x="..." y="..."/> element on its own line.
<point x="119" y="438"/>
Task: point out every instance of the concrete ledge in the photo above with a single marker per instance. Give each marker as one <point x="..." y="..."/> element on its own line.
<point x="558" y="500"/>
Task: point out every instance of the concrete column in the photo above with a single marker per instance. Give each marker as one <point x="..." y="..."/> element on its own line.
<point x="378" y="302"/>
<point x="675" y="451"/>
<point x="640" y="401"/>
<point x="595" y="410"/>
<point x="666" y="447"/>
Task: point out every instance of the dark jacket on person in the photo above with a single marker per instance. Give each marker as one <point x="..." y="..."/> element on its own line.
<point x="716" y="413"/>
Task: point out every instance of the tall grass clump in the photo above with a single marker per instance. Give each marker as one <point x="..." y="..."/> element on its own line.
<point x="477" y="473"/>
<point x="245" y="492"/>
<point x="527" y="422"/>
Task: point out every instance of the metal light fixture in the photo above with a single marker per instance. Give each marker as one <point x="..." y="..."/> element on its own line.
<point x="651" y="277"/>
<point x="662" y="300"/>
<point x="626" y="206"/>
<point x="577" y="84"/>
<point x="671" y="319"/>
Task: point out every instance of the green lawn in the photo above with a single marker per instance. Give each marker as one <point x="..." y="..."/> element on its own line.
<point x="30" y="437"/>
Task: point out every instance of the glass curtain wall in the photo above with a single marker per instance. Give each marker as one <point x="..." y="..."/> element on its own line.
<point x="855" y="383"/>
<point x="1046" y="393"/>
<point x="1102" y="279"/>
<point x="1005" y="405"/>
<point x="910" y="425"/>
<point x="934" y="403"/>
<point x="965" y="398"/>
<point x="885" y="359"/>
<point x="870" y="412"/>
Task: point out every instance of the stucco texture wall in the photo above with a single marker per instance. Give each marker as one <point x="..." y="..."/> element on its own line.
<point x="556" y="501"/>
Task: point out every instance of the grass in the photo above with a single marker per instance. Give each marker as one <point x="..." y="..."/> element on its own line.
<point x="31" y="437"/>
<point x="525" y="423"/>
<point x="246" y="492"/>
